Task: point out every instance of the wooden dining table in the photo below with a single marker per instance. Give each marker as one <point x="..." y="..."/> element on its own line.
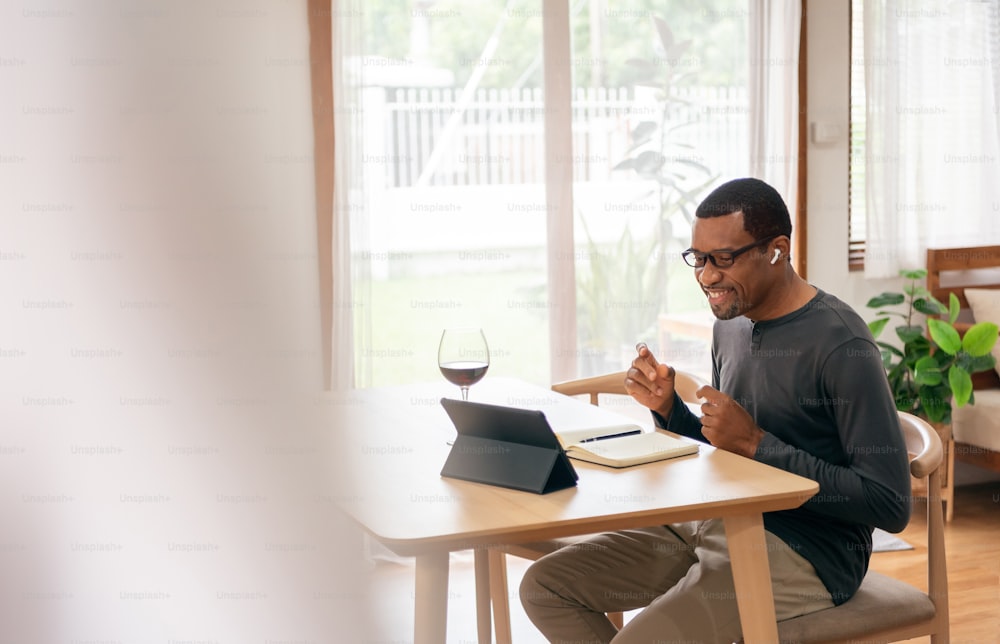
<point x="395" y="439"/>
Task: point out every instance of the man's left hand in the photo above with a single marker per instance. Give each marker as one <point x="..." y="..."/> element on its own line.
<point x="727" y="425"/>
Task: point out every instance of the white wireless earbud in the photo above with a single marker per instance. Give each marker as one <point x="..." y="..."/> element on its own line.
<point x="777" y="254"/>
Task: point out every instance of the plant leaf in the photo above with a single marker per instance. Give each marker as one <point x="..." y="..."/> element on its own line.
<point x="649" y="162"/>
<point x="954" y="306"/>
<point x="666" y="181"/>
<point x="643" y="131"/>
<point x="930" y="298"/>
<point x="945" y="336"/>
<point x="909" y="333"/>
<point x="982" y="363"/>
<point x="885" y="299"/>
<point x="876" y="326"/>
<point x="680" y="126"/>
<point x="980" y="338"/>
<point x="694" y="164"/>
<point x="913" y="274"/>
<point x="918" y="348"/>
<point x="891" y="349"/>
<point x="664" y="32"/>
<point x="929" y="306"/>
<point x="926" y="372"/>
<point x="936" y="403"/>
<point x="961" y="384"/>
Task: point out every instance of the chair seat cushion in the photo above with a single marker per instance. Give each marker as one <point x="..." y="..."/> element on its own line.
<point x="882" y="602"/>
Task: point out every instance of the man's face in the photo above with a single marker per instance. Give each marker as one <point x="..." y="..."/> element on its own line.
<point x="741" y="288"/>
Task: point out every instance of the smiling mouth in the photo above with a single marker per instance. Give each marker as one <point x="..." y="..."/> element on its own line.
<point x="716" y="294"/>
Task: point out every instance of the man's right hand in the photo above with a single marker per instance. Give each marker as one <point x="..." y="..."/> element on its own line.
<point x="650" y="383"/>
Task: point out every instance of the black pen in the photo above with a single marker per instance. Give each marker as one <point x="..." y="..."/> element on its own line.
<point x="604" y="438"/>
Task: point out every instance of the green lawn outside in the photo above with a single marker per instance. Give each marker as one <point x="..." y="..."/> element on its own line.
<point x="408" y="315"/>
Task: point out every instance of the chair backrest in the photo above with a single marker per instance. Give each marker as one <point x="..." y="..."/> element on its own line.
<point x="614" y="383"/>
<point x="687" y="384"/>
<point x="926" y="457"/>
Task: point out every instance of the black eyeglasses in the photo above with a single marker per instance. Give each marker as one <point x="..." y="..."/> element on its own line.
<point x="720" y="258"/>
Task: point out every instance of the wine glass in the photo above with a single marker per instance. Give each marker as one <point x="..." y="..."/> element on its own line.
<point x="463" y="357"/>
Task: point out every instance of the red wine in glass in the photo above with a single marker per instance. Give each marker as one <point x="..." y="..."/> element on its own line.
<point x="463" y="357"/>
<point x="464" y="373"/>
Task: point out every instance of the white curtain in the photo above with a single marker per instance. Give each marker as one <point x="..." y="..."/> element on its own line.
<point x="351" y="247"/>
<point x="931" y="137"/>
<point x="774" y="94"/>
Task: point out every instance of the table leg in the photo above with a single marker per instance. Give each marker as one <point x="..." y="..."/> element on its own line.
<point x="431" y="598"/>
<point x="484" y="619"/>
<point x="752" y="577"/>
<point x="499" y="593"/>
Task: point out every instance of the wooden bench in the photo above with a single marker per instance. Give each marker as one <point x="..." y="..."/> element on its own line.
<point x="952" y="270"/>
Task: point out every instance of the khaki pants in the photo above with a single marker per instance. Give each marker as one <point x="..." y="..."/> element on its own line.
<point x="679" y="573"/>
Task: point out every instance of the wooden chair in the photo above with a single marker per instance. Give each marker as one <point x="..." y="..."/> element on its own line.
<point x="612" y="384"/>
<point x="885" y="609"/>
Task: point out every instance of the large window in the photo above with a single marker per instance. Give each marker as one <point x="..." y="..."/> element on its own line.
<point x="454" y="173"/>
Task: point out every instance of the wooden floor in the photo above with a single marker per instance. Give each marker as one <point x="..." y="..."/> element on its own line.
<point x="972" y="538"/>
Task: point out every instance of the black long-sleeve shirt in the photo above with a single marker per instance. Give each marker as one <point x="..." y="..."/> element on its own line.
<point x="813" y="381"/>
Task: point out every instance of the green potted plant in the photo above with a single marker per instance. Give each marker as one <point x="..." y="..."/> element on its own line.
<point x="927" y="374"/>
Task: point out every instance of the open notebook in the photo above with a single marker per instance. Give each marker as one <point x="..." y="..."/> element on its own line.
<point x="603" y="436"/>
<point x="623" y="446"/>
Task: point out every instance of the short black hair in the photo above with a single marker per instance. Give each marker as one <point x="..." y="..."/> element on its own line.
<point x="764" y="211"/>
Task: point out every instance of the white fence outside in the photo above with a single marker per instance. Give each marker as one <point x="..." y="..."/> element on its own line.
<point x="498" y="139"/>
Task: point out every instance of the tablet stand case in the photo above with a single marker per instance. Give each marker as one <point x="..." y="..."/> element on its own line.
<point x="507" y="447"/>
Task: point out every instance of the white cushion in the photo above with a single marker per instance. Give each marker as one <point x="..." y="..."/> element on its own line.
<point x="979" y="424"/>
<point x="985" y="305"/>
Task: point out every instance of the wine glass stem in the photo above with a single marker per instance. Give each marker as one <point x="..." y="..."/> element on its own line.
<point x="465" y="393"/>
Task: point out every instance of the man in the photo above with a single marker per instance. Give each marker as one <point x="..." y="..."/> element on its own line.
<point x="797" y="383"/>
